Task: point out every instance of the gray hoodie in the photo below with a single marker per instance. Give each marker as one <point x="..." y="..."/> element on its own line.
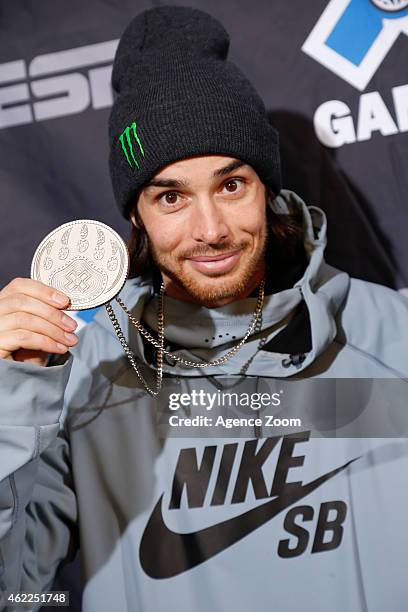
<point x="227" y="520"/>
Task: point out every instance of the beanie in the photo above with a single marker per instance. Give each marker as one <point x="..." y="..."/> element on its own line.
<point x="177" y="96"/>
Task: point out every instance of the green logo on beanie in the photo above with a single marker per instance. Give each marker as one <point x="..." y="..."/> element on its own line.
<point x="127" y="146"/>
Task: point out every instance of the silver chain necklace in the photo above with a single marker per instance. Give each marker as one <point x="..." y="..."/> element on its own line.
<point x="159" y="343"/>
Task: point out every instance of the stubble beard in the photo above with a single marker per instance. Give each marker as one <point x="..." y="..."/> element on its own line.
<point x="209" y="290"/>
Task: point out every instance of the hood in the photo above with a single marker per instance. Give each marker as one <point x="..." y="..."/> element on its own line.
<point x="206" y="334"/>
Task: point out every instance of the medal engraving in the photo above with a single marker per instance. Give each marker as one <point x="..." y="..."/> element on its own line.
<point x="87" y="260"/>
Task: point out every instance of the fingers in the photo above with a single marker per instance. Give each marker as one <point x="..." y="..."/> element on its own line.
<point x="19" y="303"/>
<point x="35" y="289"/>
<point x="19" y="321"/>
<point x="31" y="319"/>
<point x="14" y="340"/>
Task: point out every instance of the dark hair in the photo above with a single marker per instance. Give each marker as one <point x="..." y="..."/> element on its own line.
<point x="285" y="249"/>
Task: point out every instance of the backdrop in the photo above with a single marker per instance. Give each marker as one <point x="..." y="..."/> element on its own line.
<point x="332" y="74"/>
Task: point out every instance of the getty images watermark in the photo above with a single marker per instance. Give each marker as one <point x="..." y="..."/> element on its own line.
<point x="266" y="407"/>
<point x="220" y="408"/>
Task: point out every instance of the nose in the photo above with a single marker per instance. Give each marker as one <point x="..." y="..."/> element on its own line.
<point x="209" y="224"/>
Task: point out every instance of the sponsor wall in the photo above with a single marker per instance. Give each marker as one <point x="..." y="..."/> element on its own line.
<point x="333" y="76"/>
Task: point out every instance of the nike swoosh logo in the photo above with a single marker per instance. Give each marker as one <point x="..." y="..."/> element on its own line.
<point x="180" y="552"/>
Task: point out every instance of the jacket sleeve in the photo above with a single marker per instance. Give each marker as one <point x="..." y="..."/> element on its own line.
<point x="38" y="509"/>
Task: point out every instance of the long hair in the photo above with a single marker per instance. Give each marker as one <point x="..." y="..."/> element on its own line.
<point x="285" y="246"/>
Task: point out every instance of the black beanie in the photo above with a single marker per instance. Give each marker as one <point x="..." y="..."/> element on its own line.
<point x="178" y="96"/>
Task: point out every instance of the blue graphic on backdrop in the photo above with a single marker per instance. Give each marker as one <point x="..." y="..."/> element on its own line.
<point x="83" y="317"/>
<point x="352" y="37"/>
<point x="87" y="315"/>
<point x="358" y="29"/>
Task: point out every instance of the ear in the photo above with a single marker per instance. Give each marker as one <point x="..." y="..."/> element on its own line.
<point x="133" y="217"/>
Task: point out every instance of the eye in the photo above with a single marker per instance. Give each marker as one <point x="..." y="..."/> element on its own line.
<point x="234" y="185"/>
<point x="170" y="198"/>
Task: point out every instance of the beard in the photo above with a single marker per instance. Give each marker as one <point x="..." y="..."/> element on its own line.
<point x="207" y="290"/>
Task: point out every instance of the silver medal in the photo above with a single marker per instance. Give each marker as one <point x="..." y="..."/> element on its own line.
<point x="87" y="260"/>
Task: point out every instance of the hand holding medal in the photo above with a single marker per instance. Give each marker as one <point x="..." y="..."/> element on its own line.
<point x="80" y="265"/>
<point x="87" y="260"/>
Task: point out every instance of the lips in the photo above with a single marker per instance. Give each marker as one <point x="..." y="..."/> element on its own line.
<point x="215" y="264"/>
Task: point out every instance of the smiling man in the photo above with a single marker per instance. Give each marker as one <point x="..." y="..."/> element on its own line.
<point x="209" y="237"/>
<point x="229" y="311"/>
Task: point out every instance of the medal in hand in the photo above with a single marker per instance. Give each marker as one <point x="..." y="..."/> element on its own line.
<point x="87" y="260"/>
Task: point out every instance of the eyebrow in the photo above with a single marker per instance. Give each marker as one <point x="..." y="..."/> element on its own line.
<point x="179" y="183"/>
<point x="234" y="165"/>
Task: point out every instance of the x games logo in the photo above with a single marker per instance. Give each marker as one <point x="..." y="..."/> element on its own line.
<point x="127" y="146"/>
<point x="352" y="37"/>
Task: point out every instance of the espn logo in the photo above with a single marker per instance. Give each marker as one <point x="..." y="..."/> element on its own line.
<point x="37" y="91"/>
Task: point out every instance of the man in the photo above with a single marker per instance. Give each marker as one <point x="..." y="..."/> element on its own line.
<point x="230" y="269"/>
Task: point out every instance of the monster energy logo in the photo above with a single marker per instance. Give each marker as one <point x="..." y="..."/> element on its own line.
<point x="127" y="146"/>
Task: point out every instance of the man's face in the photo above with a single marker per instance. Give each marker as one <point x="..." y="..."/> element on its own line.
<point x="206" y="224"/>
